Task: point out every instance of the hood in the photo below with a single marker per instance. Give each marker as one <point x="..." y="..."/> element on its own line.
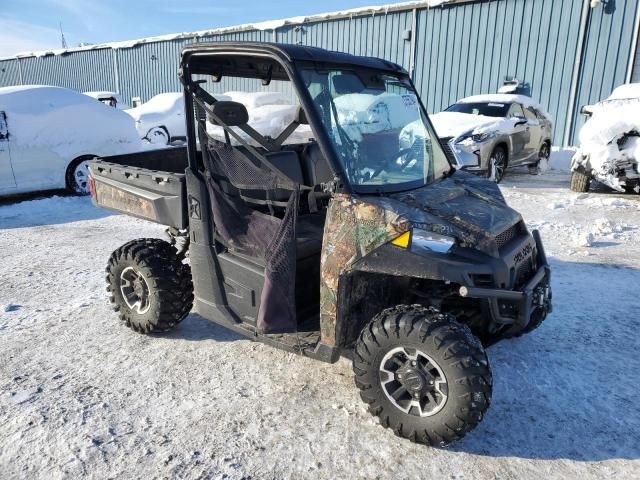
<point x="462" y="205"/>
<point x="454" y="124"/>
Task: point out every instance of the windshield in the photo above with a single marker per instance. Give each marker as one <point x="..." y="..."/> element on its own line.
<point x="383" y="140"/>
<point x="489" y="109"/>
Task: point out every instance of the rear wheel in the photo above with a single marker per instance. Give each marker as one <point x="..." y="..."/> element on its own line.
<point x="149" y="286"/>
<point x="543" y="160"/>
<point x="497" y="164"/>
<point x="423" y="374"/>
<point x="158" y="136"/>
<point x="579" y="182"/>
<point x="77" y="177"/>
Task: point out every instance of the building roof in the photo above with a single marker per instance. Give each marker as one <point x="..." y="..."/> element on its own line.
<point x="270" y="25"/>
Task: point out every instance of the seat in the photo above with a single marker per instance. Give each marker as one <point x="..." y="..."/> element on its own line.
<point x="315" y="166"/>
<point x="288" y="162"/>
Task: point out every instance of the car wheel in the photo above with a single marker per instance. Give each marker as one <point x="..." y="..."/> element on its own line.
<point x="149" y="286"/>
<point x="543" y="160"/>
<point x="580" y="182"/>
<point x="424" y="375"/>
<point x="497" y="164"/>
<point x="158" y="136"/>
<point x="78" y="175"/>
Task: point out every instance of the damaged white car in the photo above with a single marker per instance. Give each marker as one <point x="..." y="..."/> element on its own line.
<point x="609" y="149"/>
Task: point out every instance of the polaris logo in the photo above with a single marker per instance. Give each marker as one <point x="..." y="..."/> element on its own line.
<point x="523" y="254"/>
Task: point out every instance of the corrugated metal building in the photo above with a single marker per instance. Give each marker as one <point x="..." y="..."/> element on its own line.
<point x="568" y="52"/>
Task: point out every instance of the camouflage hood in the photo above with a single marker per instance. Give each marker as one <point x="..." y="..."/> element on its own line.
<point x="463" y="206"/>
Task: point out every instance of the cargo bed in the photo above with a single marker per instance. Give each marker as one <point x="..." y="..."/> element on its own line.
<point x="148" y="185"/>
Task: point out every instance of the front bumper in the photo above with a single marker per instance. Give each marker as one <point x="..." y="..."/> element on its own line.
<point x="518" y="308"/>
<point x="473" y="158"/>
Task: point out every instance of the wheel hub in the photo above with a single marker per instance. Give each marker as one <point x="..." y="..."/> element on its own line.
<point x="413" y="382"/>
<point x="134" y="290"/>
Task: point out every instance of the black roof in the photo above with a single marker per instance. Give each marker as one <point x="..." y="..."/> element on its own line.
<point x="293" y="53"/>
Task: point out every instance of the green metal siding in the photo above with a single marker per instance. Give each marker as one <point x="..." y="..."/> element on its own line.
<point x="469" y="49"/>
<point x="9" y="73"/>
<point x="149" y="69"/>
<point x="605" y="56"/>
<point x="82" y="71"/>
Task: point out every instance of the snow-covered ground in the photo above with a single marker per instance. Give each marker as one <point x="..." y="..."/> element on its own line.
<point x="81" y="395"/>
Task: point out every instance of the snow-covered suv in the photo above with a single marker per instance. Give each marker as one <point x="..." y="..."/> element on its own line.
<point x="489" y="133"/>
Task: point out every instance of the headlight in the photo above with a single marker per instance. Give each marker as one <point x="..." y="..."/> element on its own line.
<point x="471" y="139"/>
<point x="422" y="240"/>
<point x="418" y="240"/>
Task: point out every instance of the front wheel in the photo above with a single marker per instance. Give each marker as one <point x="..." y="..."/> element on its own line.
<point x="543" y="160"/>
<point x="423" y="374"/>
<point x="497" y="164"/>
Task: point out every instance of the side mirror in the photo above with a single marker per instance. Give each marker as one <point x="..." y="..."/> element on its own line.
<point x="520" y="121"/>
<point x="586" y="110"/>
<point x="231" y="114"/>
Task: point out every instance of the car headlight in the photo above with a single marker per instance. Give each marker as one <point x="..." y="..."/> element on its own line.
<point x="473" y="138"/>
<point x="418" y="240"/>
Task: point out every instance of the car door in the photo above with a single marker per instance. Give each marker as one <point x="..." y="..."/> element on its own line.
<point x="520" y="136"/>
<point x="7" y="179"/>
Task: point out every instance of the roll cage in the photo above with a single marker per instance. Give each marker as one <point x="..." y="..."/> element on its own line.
<point x="268" y="62"/>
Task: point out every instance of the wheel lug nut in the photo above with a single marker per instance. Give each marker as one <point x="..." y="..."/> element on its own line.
<point x="413" y="364"/>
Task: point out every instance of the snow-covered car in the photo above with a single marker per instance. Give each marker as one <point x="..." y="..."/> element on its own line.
<point x="609" y="149"/>
<point x="161" y="119"/>
<point x="270" y="113"/>
<point x="47" y="134"/>
<point x="111" y="99"/>
<point x="488" y="133"/>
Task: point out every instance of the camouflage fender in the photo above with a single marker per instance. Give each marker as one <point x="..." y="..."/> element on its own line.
<point x="353" y="229"/>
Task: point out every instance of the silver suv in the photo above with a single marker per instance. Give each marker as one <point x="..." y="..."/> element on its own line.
<point x="486" y="134"/>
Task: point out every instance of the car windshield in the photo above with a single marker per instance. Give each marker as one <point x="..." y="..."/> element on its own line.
<point x="489" y="109"/>
<point x="383" y="139"/>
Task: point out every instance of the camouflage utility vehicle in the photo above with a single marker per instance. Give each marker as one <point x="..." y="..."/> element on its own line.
<point x="328" y="222"/>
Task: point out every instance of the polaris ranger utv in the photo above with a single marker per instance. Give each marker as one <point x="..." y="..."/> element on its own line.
<point x="358" y="238"/>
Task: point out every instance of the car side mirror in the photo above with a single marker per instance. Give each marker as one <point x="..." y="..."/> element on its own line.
<point x="586" y="111"/>
<point x="231" y="114"/>
<point x="520" y="121"/>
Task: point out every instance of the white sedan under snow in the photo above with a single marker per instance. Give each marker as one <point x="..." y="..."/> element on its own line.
<point x="161" y="119"/>
<point x="47" y="134"/>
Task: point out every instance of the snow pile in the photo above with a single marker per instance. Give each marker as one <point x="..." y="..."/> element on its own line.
<point x="560" y="158"/>
<point x="609" y="143"/>
<point x="626" y="91"/>
<point x="161" y="104"/>
<point x="65" y="122"/>
<point x="253" y="100"/>
<point x="584" y="239"/>
<point x="454" y="124"/>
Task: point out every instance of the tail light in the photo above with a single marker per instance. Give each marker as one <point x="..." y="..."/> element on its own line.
<point x="92" y="186"/>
